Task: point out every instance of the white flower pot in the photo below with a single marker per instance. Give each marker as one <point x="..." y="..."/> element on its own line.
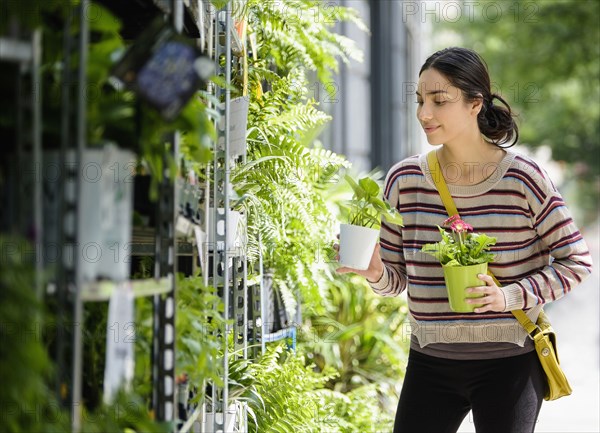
<point x="211" y="417"/>
<point x="357" y="245"/>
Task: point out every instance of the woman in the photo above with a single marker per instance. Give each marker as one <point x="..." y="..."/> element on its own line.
<point x="481" y="361"/>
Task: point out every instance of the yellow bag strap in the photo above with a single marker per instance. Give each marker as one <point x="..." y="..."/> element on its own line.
<point x="440" y="183"/>
<point x="525" y="321"/>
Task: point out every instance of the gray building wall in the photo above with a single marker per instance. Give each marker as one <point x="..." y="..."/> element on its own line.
<point x="374" y="122"/>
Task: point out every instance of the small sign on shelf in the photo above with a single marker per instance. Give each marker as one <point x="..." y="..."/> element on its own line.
<point x="164" y="68"/>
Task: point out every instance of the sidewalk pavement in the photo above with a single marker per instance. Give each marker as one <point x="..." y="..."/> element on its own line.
<point x="576" y="320"/>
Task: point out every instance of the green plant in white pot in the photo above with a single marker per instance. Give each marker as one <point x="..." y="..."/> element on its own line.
<point x="463" y="255"/>
<point x="358" y="238"/>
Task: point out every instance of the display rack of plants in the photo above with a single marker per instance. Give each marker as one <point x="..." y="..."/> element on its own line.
<point x="200" y="349"/>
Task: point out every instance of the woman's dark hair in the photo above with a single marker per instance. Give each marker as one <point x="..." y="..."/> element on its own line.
<point x="466" y="70"/>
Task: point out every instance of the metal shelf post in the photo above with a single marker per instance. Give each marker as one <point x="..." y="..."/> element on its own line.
<point x="163" y="341"/>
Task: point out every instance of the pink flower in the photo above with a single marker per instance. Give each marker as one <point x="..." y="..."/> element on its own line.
<point x="450" y="220"/>
<point x="459" y="226"/>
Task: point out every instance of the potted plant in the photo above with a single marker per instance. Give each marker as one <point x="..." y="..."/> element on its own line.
<point x="463" y="255"/>
<point x="358" y="238"/>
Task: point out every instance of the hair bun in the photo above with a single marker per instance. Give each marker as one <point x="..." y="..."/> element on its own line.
<point x="499" y="121"/>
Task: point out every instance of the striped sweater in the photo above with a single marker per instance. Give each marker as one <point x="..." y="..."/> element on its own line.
<point x="540" y="254"/>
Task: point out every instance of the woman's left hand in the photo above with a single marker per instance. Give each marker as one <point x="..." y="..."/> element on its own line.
<point x="493" y="297"/>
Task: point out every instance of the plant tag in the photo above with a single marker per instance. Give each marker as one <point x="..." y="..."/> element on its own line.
<point x="200" y="242"/>
<point x="120" y="342"/>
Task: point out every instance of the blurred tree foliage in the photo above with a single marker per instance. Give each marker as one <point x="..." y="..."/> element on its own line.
<point x="544" y="58"/>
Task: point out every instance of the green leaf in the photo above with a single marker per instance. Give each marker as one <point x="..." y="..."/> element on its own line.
<point x="369" y="186"/>
<point x="358" y="190"/>
<point x="378" y="204"/>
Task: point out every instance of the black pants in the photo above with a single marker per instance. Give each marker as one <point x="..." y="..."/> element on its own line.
<point x="505" y="394"/>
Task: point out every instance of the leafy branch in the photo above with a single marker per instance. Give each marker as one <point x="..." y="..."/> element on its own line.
<point x="366" y="206"/>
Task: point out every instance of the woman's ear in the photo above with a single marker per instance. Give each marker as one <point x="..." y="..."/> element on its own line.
<point x="477" y="104"/>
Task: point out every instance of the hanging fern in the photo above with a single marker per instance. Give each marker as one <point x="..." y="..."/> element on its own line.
<point x="296" y="34"/>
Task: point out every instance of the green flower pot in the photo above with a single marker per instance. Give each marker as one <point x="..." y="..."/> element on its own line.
<point x="460" y="278"/>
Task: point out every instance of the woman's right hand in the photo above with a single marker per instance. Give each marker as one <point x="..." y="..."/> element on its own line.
<point x="373" y="273"/>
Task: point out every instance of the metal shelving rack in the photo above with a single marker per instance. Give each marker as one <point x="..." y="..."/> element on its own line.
<point x="71" y="292"/>
<point x="163" y="340"/>
<point x="229" y="270"/>
<point x="68" y="292"/>
<point x="226" y="268"/>
<point x="163" y="343"/>
<point x="221" y="275"/>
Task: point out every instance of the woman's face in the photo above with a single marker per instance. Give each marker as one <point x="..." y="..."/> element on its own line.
<point x="443" y="112"/>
